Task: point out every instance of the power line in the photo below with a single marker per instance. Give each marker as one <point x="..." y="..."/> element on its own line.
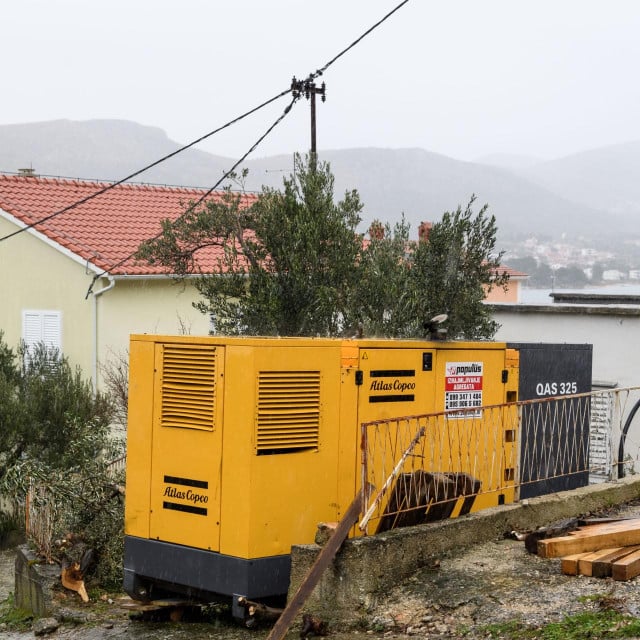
<point x="149" y="166"/>
<point x="308" y="86"/>
<point x="309" y="80"/>
<point x="321" y="70"/>
<point x="207" y="193"/>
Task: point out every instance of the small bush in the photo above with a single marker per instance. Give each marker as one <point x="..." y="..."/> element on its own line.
<point x="56" y="435"/>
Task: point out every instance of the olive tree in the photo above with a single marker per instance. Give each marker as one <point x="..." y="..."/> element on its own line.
<point x="293" y="263"/>
<point x="287" y="263"/>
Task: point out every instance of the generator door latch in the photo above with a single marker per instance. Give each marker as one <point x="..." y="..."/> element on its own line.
<point x="359" y="378"/>
<point x="505" y="376"/>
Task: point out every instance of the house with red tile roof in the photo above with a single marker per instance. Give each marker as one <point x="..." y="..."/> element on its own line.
<point x="512" y="291"/>
<point x="71" y="280"/>
<point x="69" y="276"/>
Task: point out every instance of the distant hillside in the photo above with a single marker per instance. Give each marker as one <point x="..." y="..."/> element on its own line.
<point x="423" y="185"/>
<point x="607" y="178"/>
<point x="391" y="181"/>
<point x="510" y="161"/>
<point x="104" y="150"/>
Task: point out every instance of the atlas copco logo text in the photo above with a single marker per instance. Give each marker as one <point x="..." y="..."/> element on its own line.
<point x="396" y="385"/>
<point x="189" y="496"/>
<point x="464" y="368"/>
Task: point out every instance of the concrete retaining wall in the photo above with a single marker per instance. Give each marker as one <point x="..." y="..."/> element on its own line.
<point x="365" y="567"/>
<point x="34" y="583"/>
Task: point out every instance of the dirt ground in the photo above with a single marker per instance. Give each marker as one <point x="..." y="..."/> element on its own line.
<point x="489" y="583"/>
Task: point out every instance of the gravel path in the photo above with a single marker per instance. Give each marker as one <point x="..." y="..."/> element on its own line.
<point x="7" y="582"/>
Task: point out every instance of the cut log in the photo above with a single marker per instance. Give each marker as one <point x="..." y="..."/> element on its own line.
<point x="71" y="578"/>
<point x="324" y="532"/>
<point x="627" y="567"/>
<point x="259" y="609"/>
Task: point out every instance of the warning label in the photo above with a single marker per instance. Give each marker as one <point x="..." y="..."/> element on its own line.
<point x="463" y="388"/>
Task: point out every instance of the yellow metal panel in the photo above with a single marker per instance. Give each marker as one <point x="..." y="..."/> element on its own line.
<point x="348" y="478"/>
<point x="187" y="445"/>
<point x="237" y="449"/>
<point x="274" y="498"/>
<point x="141" y="358"/>
<point x="396" y="382"/>
<point x="284" y="450"/>
<point x="468" y="378"/>
<point x="461" y="379"/>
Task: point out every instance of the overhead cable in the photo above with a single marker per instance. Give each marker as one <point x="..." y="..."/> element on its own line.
<point x="207" y="193"/>
<point x="321" y="70"/>
<point x="112" y="185"/>
<point x="149" y="166"/>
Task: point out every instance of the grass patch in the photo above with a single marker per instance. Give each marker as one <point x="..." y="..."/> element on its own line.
<point x="16" y="619"/>
<point x="600" y="625"/>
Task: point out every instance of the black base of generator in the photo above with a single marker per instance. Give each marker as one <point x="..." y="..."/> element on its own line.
<point x="154" y="570"/>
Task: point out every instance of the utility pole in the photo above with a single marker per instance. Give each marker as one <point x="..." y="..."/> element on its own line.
<point x="310" y="90"/>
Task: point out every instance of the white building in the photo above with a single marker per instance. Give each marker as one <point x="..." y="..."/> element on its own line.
<point x="610" y="324"/>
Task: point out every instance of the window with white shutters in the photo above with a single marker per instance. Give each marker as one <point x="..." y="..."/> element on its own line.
<point x="42" y="326"/>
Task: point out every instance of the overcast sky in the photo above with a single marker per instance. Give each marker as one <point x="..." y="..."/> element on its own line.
<point x="464" y="78"/>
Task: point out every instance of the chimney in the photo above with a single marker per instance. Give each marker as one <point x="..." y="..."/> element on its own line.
<point x="376" y="230"/>
<point x="27" y="173"/>
<point x="424" y="230"/>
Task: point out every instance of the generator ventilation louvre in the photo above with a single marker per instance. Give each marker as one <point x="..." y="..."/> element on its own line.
<point x="188" y="387"/>
<point x="288" y="415"/>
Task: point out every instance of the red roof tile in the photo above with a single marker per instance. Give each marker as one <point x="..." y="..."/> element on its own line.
<point x="107" y="229"/>
<point x="512" y="273"/>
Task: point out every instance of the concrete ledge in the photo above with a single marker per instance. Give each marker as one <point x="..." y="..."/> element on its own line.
<point x="34" y="583"/>
<point x="365" y="567"/>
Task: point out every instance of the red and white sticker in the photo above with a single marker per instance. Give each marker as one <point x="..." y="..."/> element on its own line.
<point x="463" y="388"/>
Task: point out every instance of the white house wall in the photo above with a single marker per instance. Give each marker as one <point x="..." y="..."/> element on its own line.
<point x="35" y="276"/>
<point x="614" y="333"/>
<point x="156" y="306"/>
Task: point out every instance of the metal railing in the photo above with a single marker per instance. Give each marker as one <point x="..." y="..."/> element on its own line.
<point x="434" y="466"/>
<point x="42" y="509"/>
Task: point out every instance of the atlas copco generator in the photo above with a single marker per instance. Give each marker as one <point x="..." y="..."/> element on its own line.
<point x="239" y="447"/>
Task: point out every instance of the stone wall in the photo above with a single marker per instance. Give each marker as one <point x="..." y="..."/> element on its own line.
<point x="366" y="567"/>
<point x="34" y="583"/>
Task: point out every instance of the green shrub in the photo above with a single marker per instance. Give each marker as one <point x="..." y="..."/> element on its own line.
<point x="56" y="434"/>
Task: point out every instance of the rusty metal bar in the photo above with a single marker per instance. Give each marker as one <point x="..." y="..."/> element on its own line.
<point x="312" y="578"/>
<point x="385" y="487"/>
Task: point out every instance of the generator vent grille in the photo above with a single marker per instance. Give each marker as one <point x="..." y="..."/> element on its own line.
<point x="288" y="415"/>
<point x="188" y="386"/>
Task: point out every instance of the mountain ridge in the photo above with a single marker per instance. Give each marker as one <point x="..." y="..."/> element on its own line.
<point x="418" y="183"/>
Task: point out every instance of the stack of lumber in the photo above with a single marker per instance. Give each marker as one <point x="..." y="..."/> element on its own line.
<point x="604" y="549"/>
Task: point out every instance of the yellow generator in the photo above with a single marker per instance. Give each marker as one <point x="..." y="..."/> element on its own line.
<point x="239" y="447"/>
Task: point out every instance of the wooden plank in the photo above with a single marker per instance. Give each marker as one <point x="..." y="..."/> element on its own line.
<point x="569" y="564"/>
<point x="627" y="567"/>
<point x="312" y="578"/>
<point x="585" y="564"/>
<point x="583" y="522"/>
<point x="590" y="530"/>
<point x="567" y="545"/>
<point x="602" y="567"/>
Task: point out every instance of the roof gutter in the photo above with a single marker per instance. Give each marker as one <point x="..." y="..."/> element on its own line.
<point x="96" y="294"/>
